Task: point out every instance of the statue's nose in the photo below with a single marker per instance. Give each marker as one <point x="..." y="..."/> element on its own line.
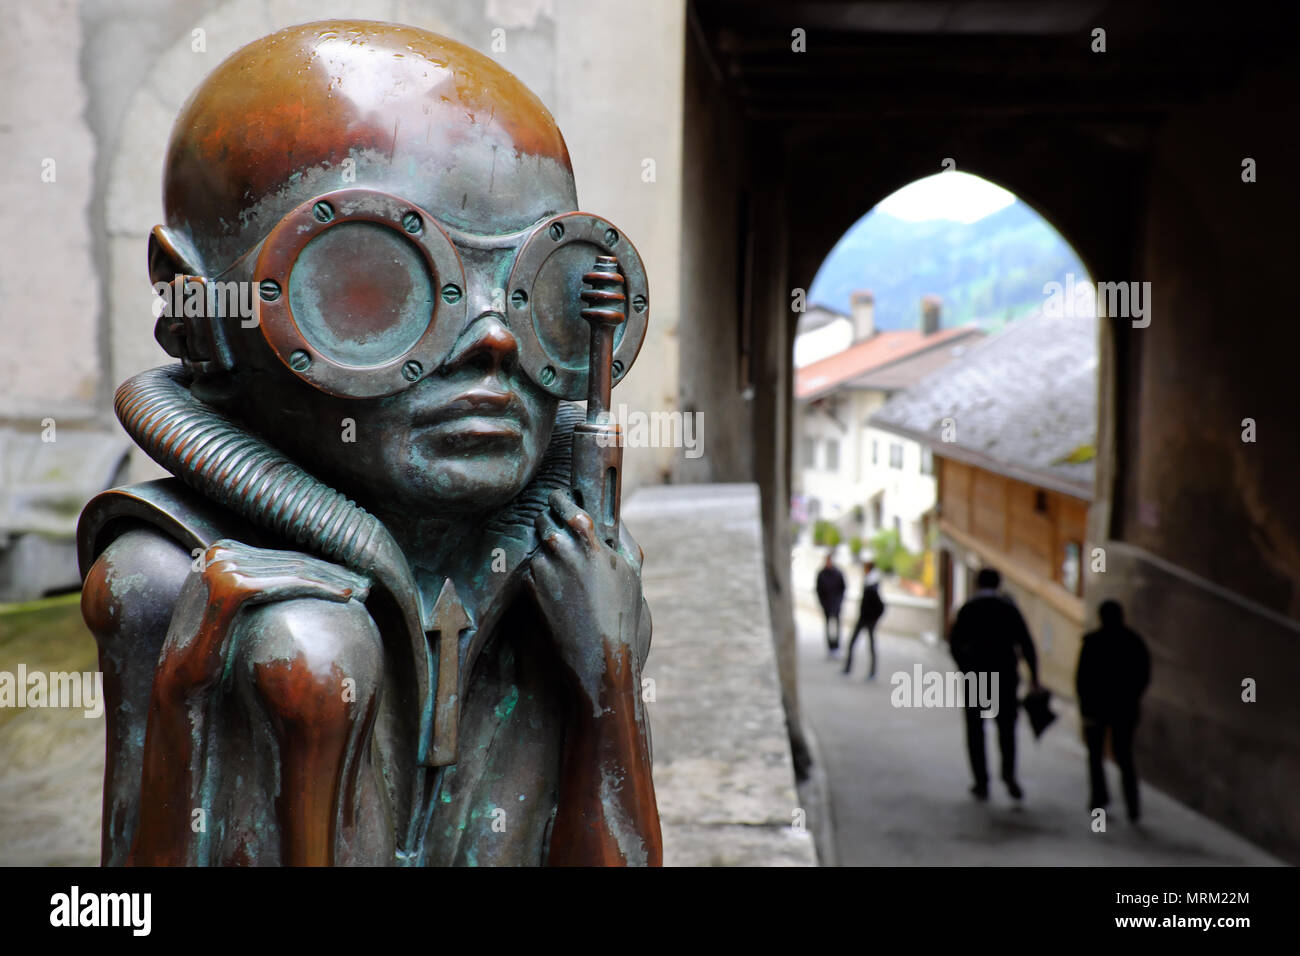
<point x="486" y="342"/>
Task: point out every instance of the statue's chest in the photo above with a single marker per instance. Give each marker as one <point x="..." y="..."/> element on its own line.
<point x="496" y="804"/>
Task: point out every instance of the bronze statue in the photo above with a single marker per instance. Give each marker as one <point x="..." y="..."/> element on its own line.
<point x="381" y="292"/>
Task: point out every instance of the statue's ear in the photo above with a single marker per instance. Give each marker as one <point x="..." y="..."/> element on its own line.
<point x="170" y="255"/>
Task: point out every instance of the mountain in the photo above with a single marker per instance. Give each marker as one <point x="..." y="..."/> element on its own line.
<point x="990" y="270"/>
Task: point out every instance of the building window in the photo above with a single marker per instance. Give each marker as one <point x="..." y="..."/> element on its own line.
<point x="927" y="461"/>
<point x="832" y="454"/>
<point x="1072" y="567"/>
<point x="877" y="512"/>
<point x="895" y="455"/>
<point x="875" y="452"/>
<point x="809" y="452"/>
<point x="1040" y="502"/>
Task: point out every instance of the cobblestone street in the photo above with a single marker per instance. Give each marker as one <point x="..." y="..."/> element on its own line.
<point x="899" y="779"/>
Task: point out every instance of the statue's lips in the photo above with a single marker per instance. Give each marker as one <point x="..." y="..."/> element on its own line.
<point x="479" y="415"/>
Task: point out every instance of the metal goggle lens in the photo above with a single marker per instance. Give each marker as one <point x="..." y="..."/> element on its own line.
<point x="362" y="294"/>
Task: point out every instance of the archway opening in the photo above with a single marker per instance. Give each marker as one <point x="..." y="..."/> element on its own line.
<point x="944" y="421"/>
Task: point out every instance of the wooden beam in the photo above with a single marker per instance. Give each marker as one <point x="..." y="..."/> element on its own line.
<point x="1062" y="600"/>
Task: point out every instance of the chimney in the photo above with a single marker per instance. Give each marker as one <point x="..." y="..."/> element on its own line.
<point x="931" y="311"/>
<point x="862" y="304"/>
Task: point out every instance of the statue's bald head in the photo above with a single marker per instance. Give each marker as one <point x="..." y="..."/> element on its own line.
<point x="321" y="106"/>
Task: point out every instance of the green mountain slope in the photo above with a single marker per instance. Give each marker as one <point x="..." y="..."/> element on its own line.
<point x="990" y="270"/>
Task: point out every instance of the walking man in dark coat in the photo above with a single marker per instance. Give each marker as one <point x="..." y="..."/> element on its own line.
<point x="990" y="637"/>
<point x="830" y="593"/>
<point x="1114" y="671"/>
<point x="869" y="614"/>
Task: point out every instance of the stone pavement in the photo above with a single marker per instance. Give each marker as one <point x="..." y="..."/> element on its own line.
<point x="899" y="779"/>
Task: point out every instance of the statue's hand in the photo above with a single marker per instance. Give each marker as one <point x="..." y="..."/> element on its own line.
<point x="232" y="576"/>
<point x="589" y="592"/>
<point x="259" y="576"/>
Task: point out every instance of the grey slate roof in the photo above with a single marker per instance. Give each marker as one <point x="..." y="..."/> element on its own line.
<point x="1022" y="402"/>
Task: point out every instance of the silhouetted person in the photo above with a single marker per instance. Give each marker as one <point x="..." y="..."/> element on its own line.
<point x="990" y="636"/>
<point x="830" y="594"/>
<point x="869" y="614"/>
<point x="1114" y="671"/>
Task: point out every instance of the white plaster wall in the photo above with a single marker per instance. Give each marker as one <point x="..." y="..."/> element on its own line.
<point x="831" y="339"/>
<point x="49" y="288"/>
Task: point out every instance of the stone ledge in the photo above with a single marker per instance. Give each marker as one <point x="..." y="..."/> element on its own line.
<point x="724" y="777"/>
<point x="733" y="845"/>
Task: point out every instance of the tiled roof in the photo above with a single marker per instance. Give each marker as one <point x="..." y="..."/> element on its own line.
<point x="1022" y="403"/>
<point x="881" y="350"/>
<point x="908" y="371"/>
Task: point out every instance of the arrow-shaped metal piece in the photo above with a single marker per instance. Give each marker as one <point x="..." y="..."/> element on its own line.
<point x="449" y="619"/>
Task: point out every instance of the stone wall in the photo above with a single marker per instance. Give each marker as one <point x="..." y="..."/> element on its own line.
<point x="1202" y="535"/>
<point x="1233" y="759"/>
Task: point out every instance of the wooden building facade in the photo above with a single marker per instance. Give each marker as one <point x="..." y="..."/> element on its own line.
<point x="1035" y="537"/>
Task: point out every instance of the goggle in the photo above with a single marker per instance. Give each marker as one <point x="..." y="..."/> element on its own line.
<point x="362" y="294"/>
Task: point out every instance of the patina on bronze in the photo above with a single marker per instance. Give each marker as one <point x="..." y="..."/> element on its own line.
<point x="385" y="612"/>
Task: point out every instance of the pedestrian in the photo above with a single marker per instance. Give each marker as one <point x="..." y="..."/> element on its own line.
<point x="990" y="637"/>
<point x="1114" y="671"/>
<point x="830" y="593"/>
<point x="869" y="614"/>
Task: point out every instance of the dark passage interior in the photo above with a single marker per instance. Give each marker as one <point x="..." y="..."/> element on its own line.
<point x="1160" y="149"/>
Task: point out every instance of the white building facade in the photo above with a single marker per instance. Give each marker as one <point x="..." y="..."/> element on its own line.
<point x="862" y="479"/>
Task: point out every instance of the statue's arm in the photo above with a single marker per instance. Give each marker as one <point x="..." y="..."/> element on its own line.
<point x="203" y="610"/>
<point x="607" y="815"/>
<point x="127" y="601"/>
<point x="591" y="596"/>
<point x="176" y="741"/>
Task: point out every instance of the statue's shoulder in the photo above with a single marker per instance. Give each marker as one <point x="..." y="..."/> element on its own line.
<point x="167" y="508"/>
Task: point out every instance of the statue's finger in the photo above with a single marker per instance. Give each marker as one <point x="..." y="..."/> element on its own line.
<point x="574" y="518"/>
<point x="554" y="538"/>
